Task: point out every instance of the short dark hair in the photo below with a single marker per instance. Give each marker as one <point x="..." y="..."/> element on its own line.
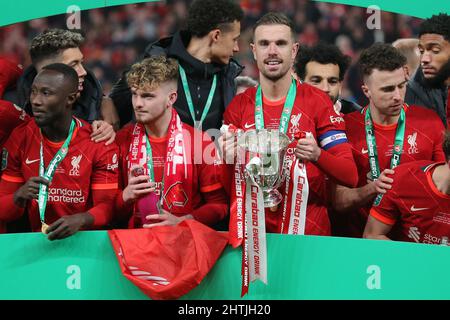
<point x="206" y="15"/>
<point x="51" y="42"/>
<point x="322" y="53"/>
<point x="446" y="144"/>
<point x="381" y="56"/>
<point x="438" y="24"/>
<point x="69" y="73"/>
<point x="271" y="18"/>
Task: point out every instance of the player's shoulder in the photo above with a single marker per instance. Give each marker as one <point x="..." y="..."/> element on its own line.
<point x="83" y="139"/>
<point x="311" y="94"/>
<point x="354" y="116"/>
<point x="123" y="136"/>
<point x="9" y="109"/>
<point x="244" y="98"/>
<point x="418" y="114"/>
<point x="25" y="130"/>
<point x="409" y="170"/>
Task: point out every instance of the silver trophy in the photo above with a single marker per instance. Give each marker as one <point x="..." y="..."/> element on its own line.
<point x="261" y="154"/>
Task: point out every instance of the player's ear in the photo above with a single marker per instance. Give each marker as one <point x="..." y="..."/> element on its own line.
<point x="71" y="98"/>
<point x="295" y="48"/>
<point x="172" y="98"/>
<point x="253" y="46"/>
<point x="215" y="35"/>
<point x="366" y="90"/>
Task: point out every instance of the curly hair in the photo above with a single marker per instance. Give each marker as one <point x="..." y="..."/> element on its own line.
<point x="206" y="15"/>
<point x="322" y="53"/>
<point x="271" y="18"/>
<point x="381" y="56"/>
<point x="438" y="24"/>
<point x="151" y="72"/>
<point x="51" y="42"/>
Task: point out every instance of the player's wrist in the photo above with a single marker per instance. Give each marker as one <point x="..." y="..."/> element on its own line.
<point x="318" y="154"/>
<point x="127" y="197"/>
<point x="18" y="199"/>
<point x="87" y="219"/>
<point x="186" y="217"/>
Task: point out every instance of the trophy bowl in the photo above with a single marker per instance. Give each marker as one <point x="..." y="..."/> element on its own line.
<point x="261" y="155"/>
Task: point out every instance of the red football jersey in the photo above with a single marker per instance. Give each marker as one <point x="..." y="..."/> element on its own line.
<point x="206" y="174"/>
<point x="423" y="141"/>
<point x="312" y="112"/>
<point x="87" y="167"/>
<point x="420" y="213"/>
<point x="10" y="117"/>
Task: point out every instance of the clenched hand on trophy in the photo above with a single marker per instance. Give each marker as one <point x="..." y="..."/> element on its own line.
<point x="307" y="148"/>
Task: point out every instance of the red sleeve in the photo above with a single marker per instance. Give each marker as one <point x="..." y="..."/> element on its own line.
<point x="338" y="164"/>
<point x="233" y="113"/>
<point x="12" y="156"/>
<point x="336" y="159"/>
<point x="102" y="211"/>
<point x="10" y="211"/>
<point x="439" y="130"/>
<point x="386" y="211"/>
<point x="215" y="208"/>
<point x="104" y="184"/>
<point x="210" y="168"/>
<point x="106" y="167"/>
<point x="11" y="116"/>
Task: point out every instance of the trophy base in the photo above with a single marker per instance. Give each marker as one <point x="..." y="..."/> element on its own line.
<point x="272" y="198"/>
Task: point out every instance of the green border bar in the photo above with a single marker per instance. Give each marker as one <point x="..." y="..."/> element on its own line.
<point x="299" y="267"/>
<point x="414" y="8"/>
<point x="24" y="10"/>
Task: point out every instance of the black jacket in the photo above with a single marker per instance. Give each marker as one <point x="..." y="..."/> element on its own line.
<point x="199" y="76"/>
<point x="419" y="94"/>
<point x="87" y="106"/>
<point x="348" y="106"/>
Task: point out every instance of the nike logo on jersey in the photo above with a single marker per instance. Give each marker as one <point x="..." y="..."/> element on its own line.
<point x="364" y="151"/>
<point x="414" y="209"/>
<point x="27" y="161"/>
<point x="248" y="126"/>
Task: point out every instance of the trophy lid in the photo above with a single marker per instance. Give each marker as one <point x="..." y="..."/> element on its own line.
<point x="263" y="141"/>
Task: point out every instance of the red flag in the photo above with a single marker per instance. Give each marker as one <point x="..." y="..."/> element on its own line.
<point x="169" y="261"/>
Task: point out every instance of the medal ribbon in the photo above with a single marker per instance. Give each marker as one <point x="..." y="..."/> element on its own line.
<point x="50" y="171"/>
<point x="187" y="92"/>
<point x="287" y="109"/>
<point x="254" y="260"/>
<point x="372" y="146"/>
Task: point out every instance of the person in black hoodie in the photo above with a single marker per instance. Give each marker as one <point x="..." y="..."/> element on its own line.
<point x="207" y="71"/>
<point x="429" y="85"/>
<point x="58" y="45"/>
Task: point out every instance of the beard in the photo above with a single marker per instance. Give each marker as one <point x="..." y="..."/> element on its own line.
<point x="440" y="78"/>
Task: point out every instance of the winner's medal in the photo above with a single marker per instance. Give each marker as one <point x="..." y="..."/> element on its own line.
<point x="49" y="172"/>
<point x="44" y="228"/>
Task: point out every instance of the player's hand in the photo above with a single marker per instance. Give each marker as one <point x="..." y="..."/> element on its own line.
<point x="137" y="187"/>
<point x="307" y="149"/>
<point x="383" y="183"/>
<point x="109" y="113"/>
<point x="227" y="146"/>
<point x="29" y="191"/>
<point x="165" y="219"/>
<point x="102" y="131"/>
<point x="68" y="225"/>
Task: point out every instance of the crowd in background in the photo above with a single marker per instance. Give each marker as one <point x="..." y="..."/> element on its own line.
<point x="116" y="36"/>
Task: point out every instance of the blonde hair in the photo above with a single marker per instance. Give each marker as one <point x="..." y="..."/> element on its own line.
<point x="151" y="72"/>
